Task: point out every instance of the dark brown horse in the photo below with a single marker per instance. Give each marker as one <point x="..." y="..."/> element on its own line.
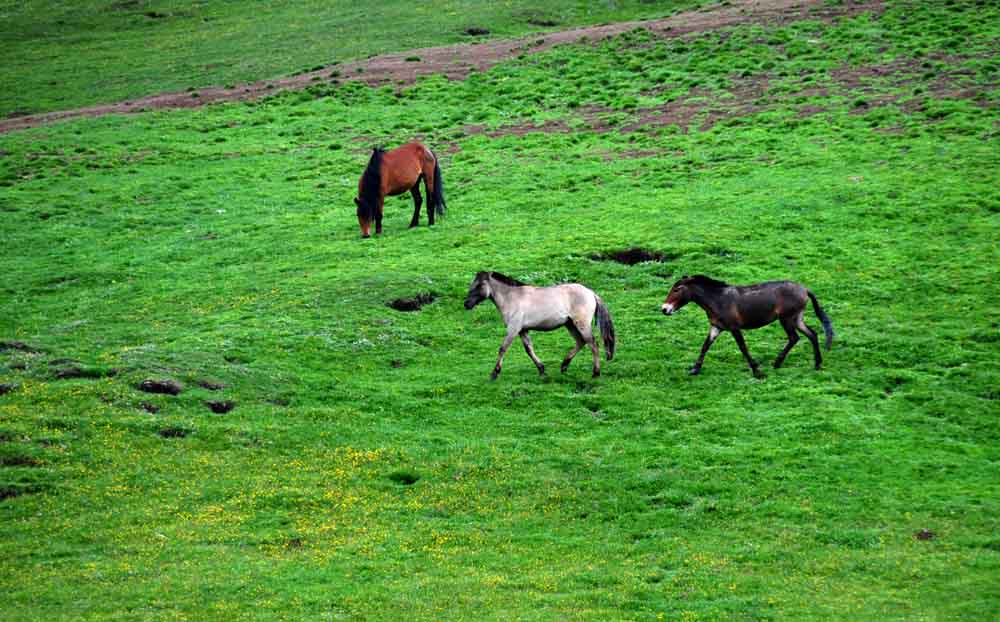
<point x="735" y="307"/>
<point x="394" y="172"/>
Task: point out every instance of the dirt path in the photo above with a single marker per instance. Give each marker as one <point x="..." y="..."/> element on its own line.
<point x="457" y="61"/>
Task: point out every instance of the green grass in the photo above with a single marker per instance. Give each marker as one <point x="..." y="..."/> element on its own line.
<point x="61" y="55"/>
<point x="370" y="471"/>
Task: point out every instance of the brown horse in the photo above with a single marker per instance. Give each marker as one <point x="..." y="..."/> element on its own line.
<point x="734" y="307"/>
<point x="395" y="172"/>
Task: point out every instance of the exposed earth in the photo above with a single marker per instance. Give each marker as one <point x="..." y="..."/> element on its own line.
<point x="458" y="61"/>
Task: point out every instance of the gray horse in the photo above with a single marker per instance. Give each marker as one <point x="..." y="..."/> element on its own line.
<point x="525" y="308"/>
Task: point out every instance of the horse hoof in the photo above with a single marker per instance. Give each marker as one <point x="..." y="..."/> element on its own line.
<point x="563" y="368"/>
<point x="694" y="371"/>
<point x="541" y="371"/>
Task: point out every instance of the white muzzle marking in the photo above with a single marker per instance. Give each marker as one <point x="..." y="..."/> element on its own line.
<point x="667" y="308"/>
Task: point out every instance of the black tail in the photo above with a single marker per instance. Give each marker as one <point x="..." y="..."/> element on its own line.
<point x="827" y="326"/>
<point x="607" y="328"/>
<point x="437" y="195"/>
<point x="371" y="186"/>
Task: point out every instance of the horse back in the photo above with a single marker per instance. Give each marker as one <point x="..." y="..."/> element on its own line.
<point x="763" y="303"/>
<point x="403" y="166"/>
<point x="548" y="308"/>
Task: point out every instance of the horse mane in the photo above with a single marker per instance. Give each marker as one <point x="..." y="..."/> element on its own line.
<point x="371" y="185"/>
<point x="506" y="280"/>
<point x="706" y="281"/>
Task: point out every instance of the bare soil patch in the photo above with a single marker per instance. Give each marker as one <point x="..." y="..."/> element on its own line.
<point x="412" y="304"/>
<point x="632" y="256"/>
<point x="174" y="432"/>
<point x="458" y="61"/>
<point x="168" y="387"/>
<point x="221" y="406"/>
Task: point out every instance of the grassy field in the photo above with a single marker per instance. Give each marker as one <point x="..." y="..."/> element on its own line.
<point x="370" y="471"/>
<point x="60" y="55"/>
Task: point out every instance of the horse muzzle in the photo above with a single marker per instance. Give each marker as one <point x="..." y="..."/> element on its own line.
<point x="469" y="304"/>
<point x="668" y="309"/>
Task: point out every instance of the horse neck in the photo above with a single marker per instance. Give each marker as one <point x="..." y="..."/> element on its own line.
<point x="500" y="294"/>
<point x="708" y="299"/>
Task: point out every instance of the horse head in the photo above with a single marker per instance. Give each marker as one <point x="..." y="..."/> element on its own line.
<point x="680" y="295"/>
<point x="479" y="290"/>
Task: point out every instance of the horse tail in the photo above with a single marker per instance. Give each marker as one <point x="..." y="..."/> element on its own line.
<point x="823" y="317"/>
<point x="371" y="186"/>
<point x="437" y="194"/>
<point x="606" y="326"/>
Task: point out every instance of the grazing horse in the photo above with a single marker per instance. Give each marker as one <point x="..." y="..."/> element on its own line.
<point x="525" y="308"/>
<point x="734" y="307"/>
<point x="395" y="172"/>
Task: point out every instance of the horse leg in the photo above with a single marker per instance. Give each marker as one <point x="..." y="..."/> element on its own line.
<point x="417" y="202"/>
<point x="713" y="333"/>
<point x="509" y="339"/>
<point x="588" y="337"/>
<point x="811" y="335"/>
<point x="572" y="351"/>
<point x="429" y="182"/>
<point x="738" y="336"/>
<point x="526" y="340"/>
<point x="578" y="338"/>
<point x="788" y="323"/>
<point x="378" y="216"/>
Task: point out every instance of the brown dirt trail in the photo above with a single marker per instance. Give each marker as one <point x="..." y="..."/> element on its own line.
<point x="458" y="61"/>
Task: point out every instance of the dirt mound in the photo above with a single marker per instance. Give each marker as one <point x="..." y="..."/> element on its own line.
<point x="632" y="256"/>
<point x="174" y="432"/>
<point x="412" y="304"/>
<point x="169" y="387"/>
<point x="221" y="406"/>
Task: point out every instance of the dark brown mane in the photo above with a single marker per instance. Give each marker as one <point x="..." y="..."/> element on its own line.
<point x="506" y="280"/>
<point x="706" y="281"/>
<point x="371" y="184"/>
